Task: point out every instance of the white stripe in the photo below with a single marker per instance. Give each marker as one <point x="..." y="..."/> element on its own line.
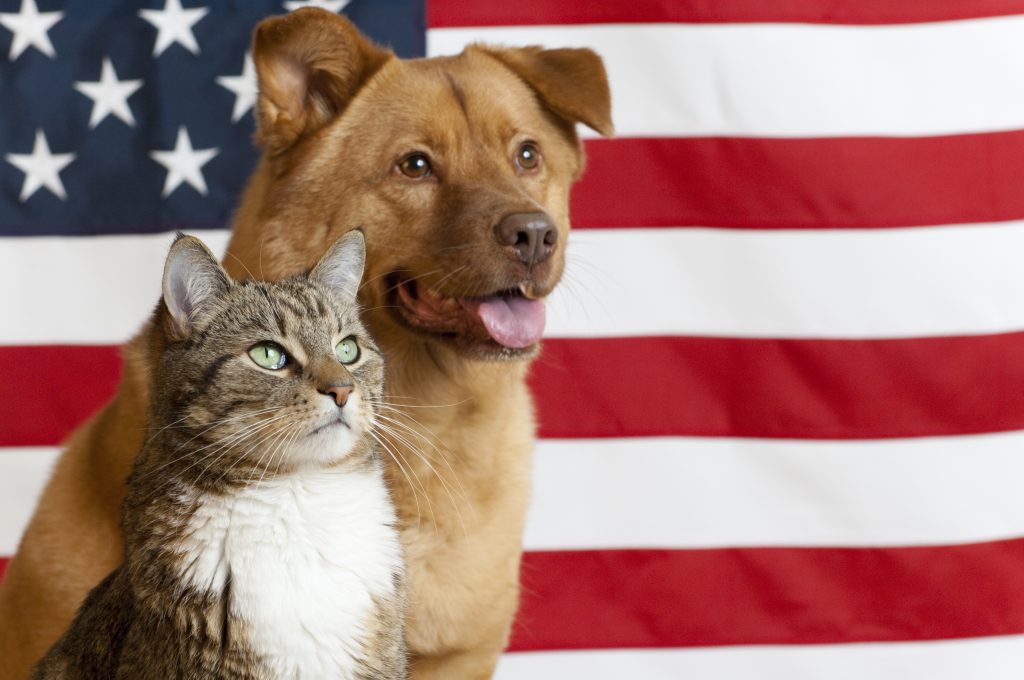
<point x="793" y="284"/>
<point x="717" y="492"/>
<point x="996" y="658"/>
<point x="842" y="283"/>
<point x="794" y="79"/>
<point x="96" y="289"/>
<point x="23" y="473"/>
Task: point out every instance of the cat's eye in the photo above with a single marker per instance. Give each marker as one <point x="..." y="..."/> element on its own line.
<point x="347" y="350"/>
<point x="269" y="355"/>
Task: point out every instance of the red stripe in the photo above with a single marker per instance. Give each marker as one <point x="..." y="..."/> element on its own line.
<point x="751" y="596"/>
<point x="801" y="183"/>
<point x="821" y="389"/>
<point x="451" y="13"/>
<point x="47" y="390"/>
<point x="635" y="387"/>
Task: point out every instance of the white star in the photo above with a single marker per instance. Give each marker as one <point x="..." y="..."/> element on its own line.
<point x="184" y="164"/>
<point x="244" y="87"/>
<point x="41" y="168"/>
<point x="109" y="95"/>
<point x="174" y="25"/>
<point x="329" y="5"/>
<point x="29" y="27"/>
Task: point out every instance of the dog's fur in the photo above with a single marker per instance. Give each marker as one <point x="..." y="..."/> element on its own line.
<point x="336" y="117"/>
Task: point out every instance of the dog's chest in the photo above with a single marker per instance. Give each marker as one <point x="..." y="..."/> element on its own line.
<point x="302" y="560"/>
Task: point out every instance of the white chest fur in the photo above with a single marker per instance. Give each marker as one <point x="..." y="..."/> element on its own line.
<point x="305" y="556"/>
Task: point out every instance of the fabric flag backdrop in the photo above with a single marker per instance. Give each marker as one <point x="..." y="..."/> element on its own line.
<point x="782" y="399"/>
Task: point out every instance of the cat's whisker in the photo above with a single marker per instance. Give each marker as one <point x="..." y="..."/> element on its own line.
<point x="220" y="446"/>
<point x="282" y="447"/>
<point x="294" y="437"/>
<point x="203" y="432"/>
<point x="404" y="406"/>
<point x="395" y="450"/>
<point x="248" y="452"/>
<point x="269" y="448"/>
<point x="429" y="440"/>
<point x="236" y="436"/>
<point x="391" y="431"/>
<point x="218" y="454"/>
<point x="212" y="424"/>
<point x="422" y="433"/>
<point x="408" y="479"/>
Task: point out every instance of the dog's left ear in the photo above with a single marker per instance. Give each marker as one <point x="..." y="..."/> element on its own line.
<point x="572" y="82"/>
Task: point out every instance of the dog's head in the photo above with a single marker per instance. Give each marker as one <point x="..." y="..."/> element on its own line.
<point x="457" y="169"/>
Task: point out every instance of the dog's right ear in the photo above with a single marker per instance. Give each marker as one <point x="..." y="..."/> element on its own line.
<point x="310" y="64"/>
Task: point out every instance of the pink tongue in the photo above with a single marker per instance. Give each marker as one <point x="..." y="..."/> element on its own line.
<point x="512" y="321"/>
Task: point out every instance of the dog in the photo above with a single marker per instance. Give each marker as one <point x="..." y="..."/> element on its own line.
<point x="457" y="170"/>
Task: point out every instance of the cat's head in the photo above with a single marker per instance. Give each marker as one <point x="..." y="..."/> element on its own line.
<point x="258" y="379"/>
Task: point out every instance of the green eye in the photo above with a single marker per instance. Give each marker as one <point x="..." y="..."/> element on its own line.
<point x="347" y="350"/>
<point x="268" y="355"/>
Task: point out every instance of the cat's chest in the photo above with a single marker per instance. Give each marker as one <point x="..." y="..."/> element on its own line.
<point x="302" y="560"/>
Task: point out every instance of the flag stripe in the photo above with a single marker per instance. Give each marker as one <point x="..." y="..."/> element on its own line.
<point x="801" y="183"/>
<point x="449" y="13"/>
<point x="660" y="598"/>
<point x="48" y="390"/>
<point x="649" y="599"/>
<point x="810" y="389"/>
<point x="693" y="493"/>
<point x="655" y="386"/>
<point x="773" y="183"/>
<point x="761" y="596"/>
<point x="23" y="474"/>
<point x="999" y="658"/>
<point x="721" y="492"/>
<point x="794" y="80"/>
<point x="840" y="283"/>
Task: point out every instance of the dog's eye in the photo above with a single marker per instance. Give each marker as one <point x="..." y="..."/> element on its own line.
<point x="415" y="165"/>
<point x="528" y="156"/>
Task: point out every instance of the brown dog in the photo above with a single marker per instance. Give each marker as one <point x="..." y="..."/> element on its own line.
<point x="457" y="169"/>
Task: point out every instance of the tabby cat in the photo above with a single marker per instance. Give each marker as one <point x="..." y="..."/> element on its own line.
<point x="260" y="539"/>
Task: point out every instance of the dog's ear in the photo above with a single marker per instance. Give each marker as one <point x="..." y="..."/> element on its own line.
<point x="572" y="82"/>
<point x="310" y="64"/>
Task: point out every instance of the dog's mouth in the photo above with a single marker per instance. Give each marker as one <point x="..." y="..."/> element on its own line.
<point x="509" y="321"/>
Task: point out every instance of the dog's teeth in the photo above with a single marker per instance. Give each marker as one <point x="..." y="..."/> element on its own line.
<point x="528" y="290"/>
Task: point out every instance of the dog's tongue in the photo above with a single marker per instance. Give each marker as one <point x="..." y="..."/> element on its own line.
<point x="512" y="321"/>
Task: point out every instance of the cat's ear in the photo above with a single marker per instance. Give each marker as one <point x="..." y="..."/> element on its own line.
<point x="341" y="268"/>
<point x="192" y="278"/>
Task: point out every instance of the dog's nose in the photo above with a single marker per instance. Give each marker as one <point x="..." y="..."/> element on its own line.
<point x="338" y="391"/>
<point x="533" y="235"/>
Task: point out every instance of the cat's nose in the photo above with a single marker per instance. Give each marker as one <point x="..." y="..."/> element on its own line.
<point x="338" y="391"/>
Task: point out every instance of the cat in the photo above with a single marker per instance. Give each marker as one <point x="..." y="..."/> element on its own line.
<point x="260" y="538"/>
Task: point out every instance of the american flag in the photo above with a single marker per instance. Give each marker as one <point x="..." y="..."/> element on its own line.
<point x="782" y="396"/>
